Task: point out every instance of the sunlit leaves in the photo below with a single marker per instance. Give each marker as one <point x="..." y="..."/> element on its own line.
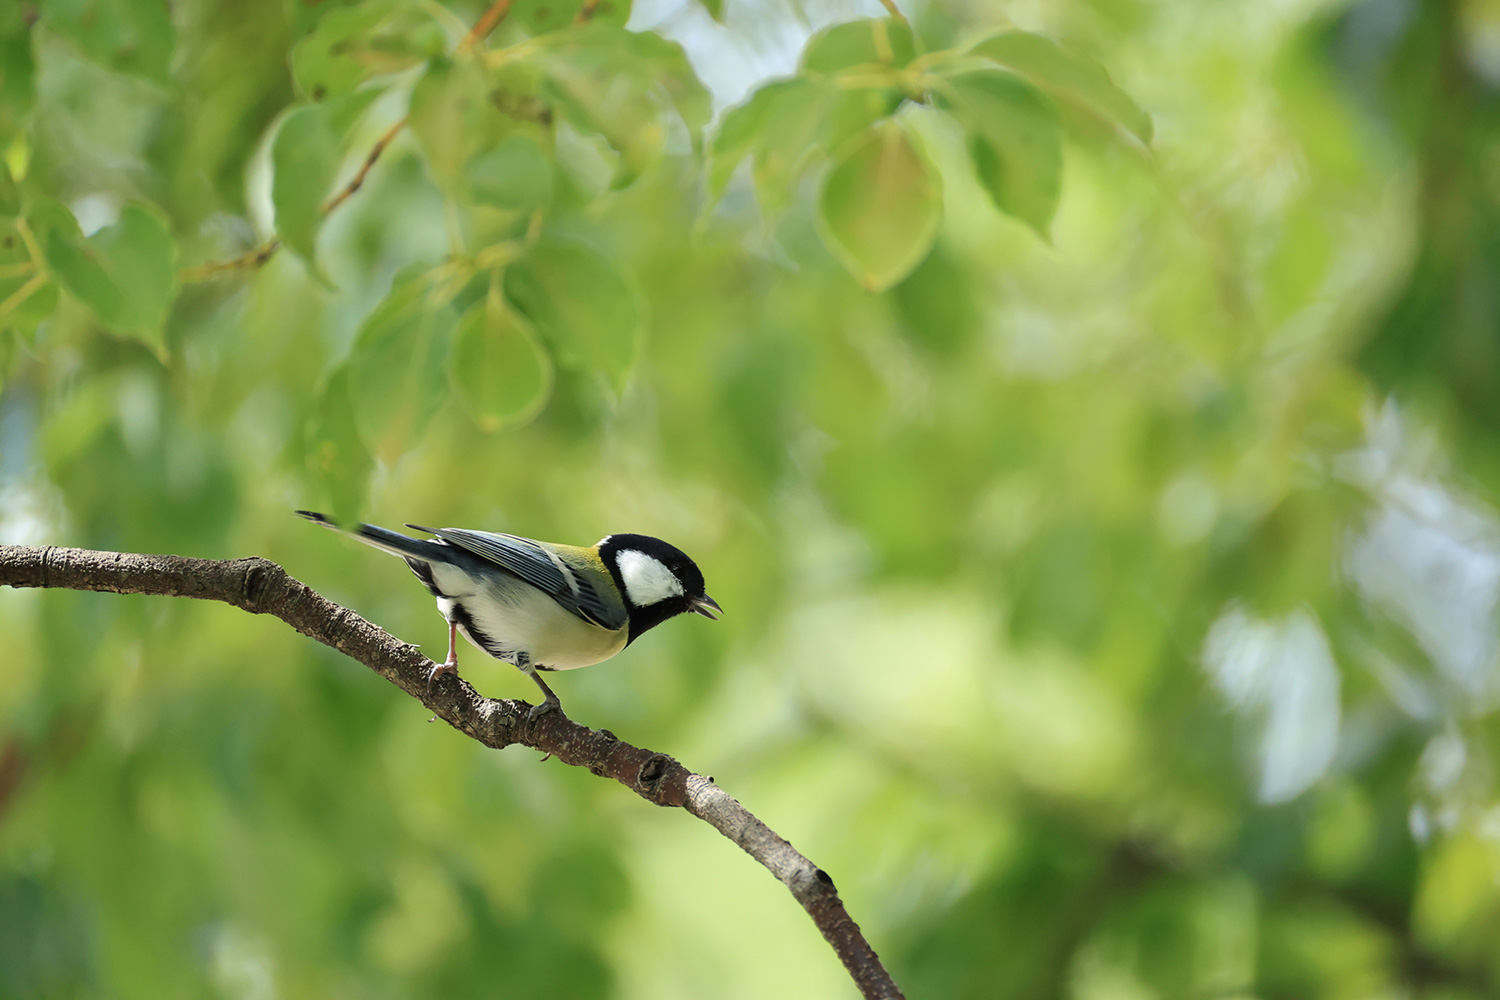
<point x="396" y="366"/>
<point x="880" y="206"/>
<point x="583" y="305"/>
<point x="337" y="460"/>
<point x="351" y="44"/>
<point x="867" y="41"/>
<point x="784" y="127"/>
<point x="741" y="129"/>
<point x="1068" y="77"/>
<point x="129" y="36"/>
<point x="305" y="158"/>
<point x="1015" y="141"/>
<point x="126" y="273"/>
<point x="616" y="84"/>
<point x="498" y="368"/>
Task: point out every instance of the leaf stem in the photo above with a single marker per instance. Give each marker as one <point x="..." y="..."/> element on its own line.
<point x="23" y="293"/>
<point x="895" y="12"/>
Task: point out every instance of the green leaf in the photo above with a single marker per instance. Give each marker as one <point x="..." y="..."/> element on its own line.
<point x="514" y="175"/>
<point x="336" y="459"/>
<point x="128" y="36"/>
<point x="1068" y="77"/>
<point x="17" y="76"/>
<point x="715" y="9"/>
<point x="309" y="147"/>
<point x="584" y="306"/>
<point x="791" y="134"/>
<point x="867" y="41"/>
<point x="1015" y="141"/>
<point x="616" y="83"/>
<point x="352" y="44"/>
<point x="542" y="16"/>
<point x="454" y="118"/>
<point x="742" y="130"/>
<point x="783" y="126"/>
<point x="126" y="273"/>
<point x="881" y="206"/>
<point x="396" y="377"/>
<point x="499" y="369"/>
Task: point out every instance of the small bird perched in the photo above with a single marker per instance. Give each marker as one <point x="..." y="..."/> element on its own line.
<point x="542" y="606"/>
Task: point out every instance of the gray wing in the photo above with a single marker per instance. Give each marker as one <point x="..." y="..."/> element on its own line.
<point x="567" y="584"/>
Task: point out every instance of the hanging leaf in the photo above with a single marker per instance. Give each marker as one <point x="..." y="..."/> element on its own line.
<point x="743" y="129"/>
<point x="881" y="206"/>
<point x="1015" y="141"/>
<point x="453" y="118"/>
<point x="874" y="41"/>
<point x="1068" y="77"/>
<point x="585" y="307"/>
<point x="396" y="377"/>
<point x="350" y="45"/>
<point x="616" y="84"/>
<point x="336" y="460"/>
<point x="309" y="147"/>
<point x="514" y="175"/>
<point x="126" y="273"/>
<point x="498" y="368"/>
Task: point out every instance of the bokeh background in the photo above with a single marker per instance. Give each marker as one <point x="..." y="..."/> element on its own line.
<point x="1112" y="613"/>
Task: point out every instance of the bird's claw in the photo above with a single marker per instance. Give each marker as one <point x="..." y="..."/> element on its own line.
<point x="549" y="705"/>
<point x="438" y="669"/>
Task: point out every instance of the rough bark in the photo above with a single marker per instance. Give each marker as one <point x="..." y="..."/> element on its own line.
<point x="262" y="587"/>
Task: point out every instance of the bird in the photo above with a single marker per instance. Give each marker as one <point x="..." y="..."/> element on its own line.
<point x="538" y="605"/>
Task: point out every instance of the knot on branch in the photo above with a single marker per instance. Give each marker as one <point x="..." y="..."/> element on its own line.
<point x="259" y="576"/>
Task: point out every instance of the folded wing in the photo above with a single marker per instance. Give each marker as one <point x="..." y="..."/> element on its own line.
<point x="568" y="582"/>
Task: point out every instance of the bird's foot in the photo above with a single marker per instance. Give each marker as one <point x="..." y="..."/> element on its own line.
<point x="438" y="669"/>
<point x="548" y="705"/>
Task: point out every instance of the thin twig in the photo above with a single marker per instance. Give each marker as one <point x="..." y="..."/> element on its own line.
<point x="249" y="260"/>
<point x="262" y="587"/>
<point x="488" y="22"/>
<point x="358" y="179"/>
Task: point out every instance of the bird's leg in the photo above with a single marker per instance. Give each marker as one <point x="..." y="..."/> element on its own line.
<point x="550" y="702"/>
<point x="450" y="665"/>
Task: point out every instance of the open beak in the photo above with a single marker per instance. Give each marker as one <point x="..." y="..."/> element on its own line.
<point x="707" y="607"/>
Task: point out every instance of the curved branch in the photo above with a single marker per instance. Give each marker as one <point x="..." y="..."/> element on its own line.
<point x="262" y="587"/>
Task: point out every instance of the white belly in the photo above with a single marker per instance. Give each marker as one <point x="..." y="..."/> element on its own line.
<point x="514" y="617"/>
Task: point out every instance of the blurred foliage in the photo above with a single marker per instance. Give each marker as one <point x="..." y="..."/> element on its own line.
<point x="1086" y="413"/>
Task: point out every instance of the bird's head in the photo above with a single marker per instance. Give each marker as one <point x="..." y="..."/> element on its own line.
<point x="657" y="580"/>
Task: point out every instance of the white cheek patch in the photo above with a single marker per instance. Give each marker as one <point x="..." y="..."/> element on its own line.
<point x="647" y="581"/>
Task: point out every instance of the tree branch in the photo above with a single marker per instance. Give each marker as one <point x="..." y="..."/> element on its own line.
<point x="262" y="587"/>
